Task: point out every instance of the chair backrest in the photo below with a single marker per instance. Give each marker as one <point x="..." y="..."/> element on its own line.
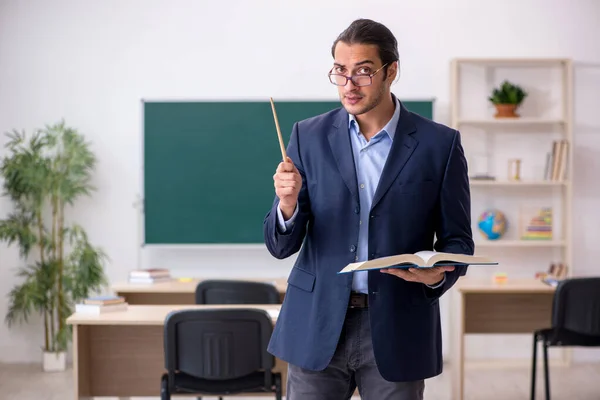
<point x="576" y="306"/>
<point x="236" y="292"/>
<point x="217" y="344"/>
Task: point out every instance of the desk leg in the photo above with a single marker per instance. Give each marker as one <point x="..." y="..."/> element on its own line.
<point x="459" y="350"/>
<point x="81" y="362"/>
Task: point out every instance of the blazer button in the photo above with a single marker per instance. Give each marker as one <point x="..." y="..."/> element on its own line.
<point x="353" y="248"/>
<point x="356" y="210"/>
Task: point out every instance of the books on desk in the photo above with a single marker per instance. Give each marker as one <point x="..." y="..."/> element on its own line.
<point x="101" y="304"/>
<point x="151" y="275"/>
<point x="421" y="259"/>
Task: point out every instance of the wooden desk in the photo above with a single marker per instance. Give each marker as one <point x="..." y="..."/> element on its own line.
<point x="517" y="306"/>
<point x="174" y="292"/>
<point x="121" y="354"/>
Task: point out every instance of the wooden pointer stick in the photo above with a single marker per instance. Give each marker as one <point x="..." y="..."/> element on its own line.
<point x="278" y="132"/>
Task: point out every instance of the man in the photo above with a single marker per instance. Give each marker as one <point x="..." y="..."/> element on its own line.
<point x="364" y="181"/>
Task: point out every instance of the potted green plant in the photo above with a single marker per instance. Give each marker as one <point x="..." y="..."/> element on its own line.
<point x="42" y="175"/>
<point x="507" y="98"/>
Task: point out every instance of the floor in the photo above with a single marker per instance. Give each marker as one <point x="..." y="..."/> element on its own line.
<point x="579" y="382"/>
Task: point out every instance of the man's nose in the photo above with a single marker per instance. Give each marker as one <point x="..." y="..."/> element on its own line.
<point x="350" y="85"/>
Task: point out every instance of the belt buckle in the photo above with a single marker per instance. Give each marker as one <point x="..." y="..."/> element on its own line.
<point x="358" y="300"/>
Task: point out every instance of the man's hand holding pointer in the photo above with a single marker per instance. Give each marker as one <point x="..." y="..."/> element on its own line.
<point x="287" y="182"/>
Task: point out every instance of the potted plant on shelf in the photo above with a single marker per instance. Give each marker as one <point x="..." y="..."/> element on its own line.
<point x="43" y="174"/>
<point x="507" y="98"/>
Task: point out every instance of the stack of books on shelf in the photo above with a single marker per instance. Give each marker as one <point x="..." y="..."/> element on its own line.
<point x="556" y="161"/>
<point x="151" y="275"/>
<point x="101" y="304"/>
<point x="540" y="226"/>
<point x="556" y="273"/>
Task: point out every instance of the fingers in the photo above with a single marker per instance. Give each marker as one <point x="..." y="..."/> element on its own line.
<point x="287" y="166"/>
<point x="424" y="275"/>
<point x="287" y="182"/>
<point x="284" y="183"/>
<point x="287" y="176"/>
<point x="285" y="191"/>
<point x="427" y="272"/>
<point x="401" y="273"/>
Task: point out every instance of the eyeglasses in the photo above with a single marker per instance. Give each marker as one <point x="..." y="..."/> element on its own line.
<point x="357" y="80"/>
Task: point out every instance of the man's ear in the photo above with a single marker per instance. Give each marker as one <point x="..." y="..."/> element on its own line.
<point x="392" y="72"/>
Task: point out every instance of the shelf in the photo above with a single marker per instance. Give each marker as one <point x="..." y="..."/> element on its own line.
<point x="513" y="62"/>
<point x="520" y="243"/>
<point x="522" y="121"/>
<point x="524" y="184"/>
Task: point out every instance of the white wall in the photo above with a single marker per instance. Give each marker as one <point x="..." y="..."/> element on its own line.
<point x="92" y="62"/>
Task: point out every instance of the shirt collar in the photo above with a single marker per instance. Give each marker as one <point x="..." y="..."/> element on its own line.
<point x="389" y="128"/>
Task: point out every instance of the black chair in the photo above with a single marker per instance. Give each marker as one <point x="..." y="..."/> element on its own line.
<point x="228" y="291"/>
<point x="236" y="292"/>
<point x="575" y="322"/>
<point x="218" y="352"/>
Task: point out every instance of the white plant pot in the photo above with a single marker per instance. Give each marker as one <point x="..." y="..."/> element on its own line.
<point x="55" y="361"/>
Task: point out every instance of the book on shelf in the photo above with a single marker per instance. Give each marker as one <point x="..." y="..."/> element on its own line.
<point x="539" y="226"/>
<point x="101" y="304"/>
<point x="556" y="161"/>
<point x="420" y="259"/>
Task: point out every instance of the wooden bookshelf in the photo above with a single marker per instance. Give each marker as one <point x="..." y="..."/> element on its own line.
<point x="534" y="122"/>
<point x="546" y="116"/>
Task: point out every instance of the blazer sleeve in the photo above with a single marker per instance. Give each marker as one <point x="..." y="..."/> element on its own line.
<point x="282" y="244"/>
<point x="453" y="227"/>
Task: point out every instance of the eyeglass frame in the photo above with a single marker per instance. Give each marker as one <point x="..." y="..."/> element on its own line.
<point x="351" y="77"/>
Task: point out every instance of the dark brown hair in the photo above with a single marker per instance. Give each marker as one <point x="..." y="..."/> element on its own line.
<point x="366" y="31"/>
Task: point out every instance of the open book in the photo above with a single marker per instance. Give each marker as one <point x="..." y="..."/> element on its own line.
<point x="421" y="259"/>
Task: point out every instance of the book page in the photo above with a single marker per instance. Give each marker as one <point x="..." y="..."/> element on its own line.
<point x="426" y="256"/>
<point x="383" y="262"/>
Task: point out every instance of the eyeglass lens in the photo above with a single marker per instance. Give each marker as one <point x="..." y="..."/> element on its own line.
<point x="357" y="80"/>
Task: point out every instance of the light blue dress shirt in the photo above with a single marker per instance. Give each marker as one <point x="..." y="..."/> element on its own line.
<point x="369" y="160"/>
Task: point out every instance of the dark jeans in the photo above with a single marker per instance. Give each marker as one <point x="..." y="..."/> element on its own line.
<point x="353" y="365"/>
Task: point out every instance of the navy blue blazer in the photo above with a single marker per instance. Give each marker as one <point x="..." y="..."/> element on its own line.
<point x="423" y="191"/>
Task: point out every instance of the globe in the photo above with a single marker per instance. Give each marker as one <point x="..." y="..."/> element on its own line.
<point x="492" y="224"/>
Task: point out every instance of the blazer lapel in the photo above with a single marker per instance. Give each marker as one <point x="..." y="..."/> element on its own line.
<point x="402" y="148"/>
<point x="339" y="140"/>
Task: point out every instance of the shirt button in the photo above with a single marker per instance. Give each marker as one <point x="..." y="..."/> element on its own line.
<point x="353" y="248"/>
<point x="362" y="185"/>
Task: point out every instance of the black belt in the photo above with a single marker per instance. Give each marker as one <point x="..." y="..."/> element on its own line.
<point x="358" y="300"/>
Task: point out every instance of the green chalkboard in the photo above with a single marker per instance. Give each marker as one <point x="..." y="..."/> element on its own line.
<point x="208" y="166"/>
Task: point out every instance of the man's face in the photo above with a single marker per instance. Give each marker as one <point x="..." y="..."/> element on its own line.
<point x="361" y="59"/>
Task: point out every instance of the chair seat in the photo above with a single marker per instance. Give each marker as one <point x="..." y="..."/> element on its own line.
<point x="253" y="383"/>
<point x="564" y="337"/>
